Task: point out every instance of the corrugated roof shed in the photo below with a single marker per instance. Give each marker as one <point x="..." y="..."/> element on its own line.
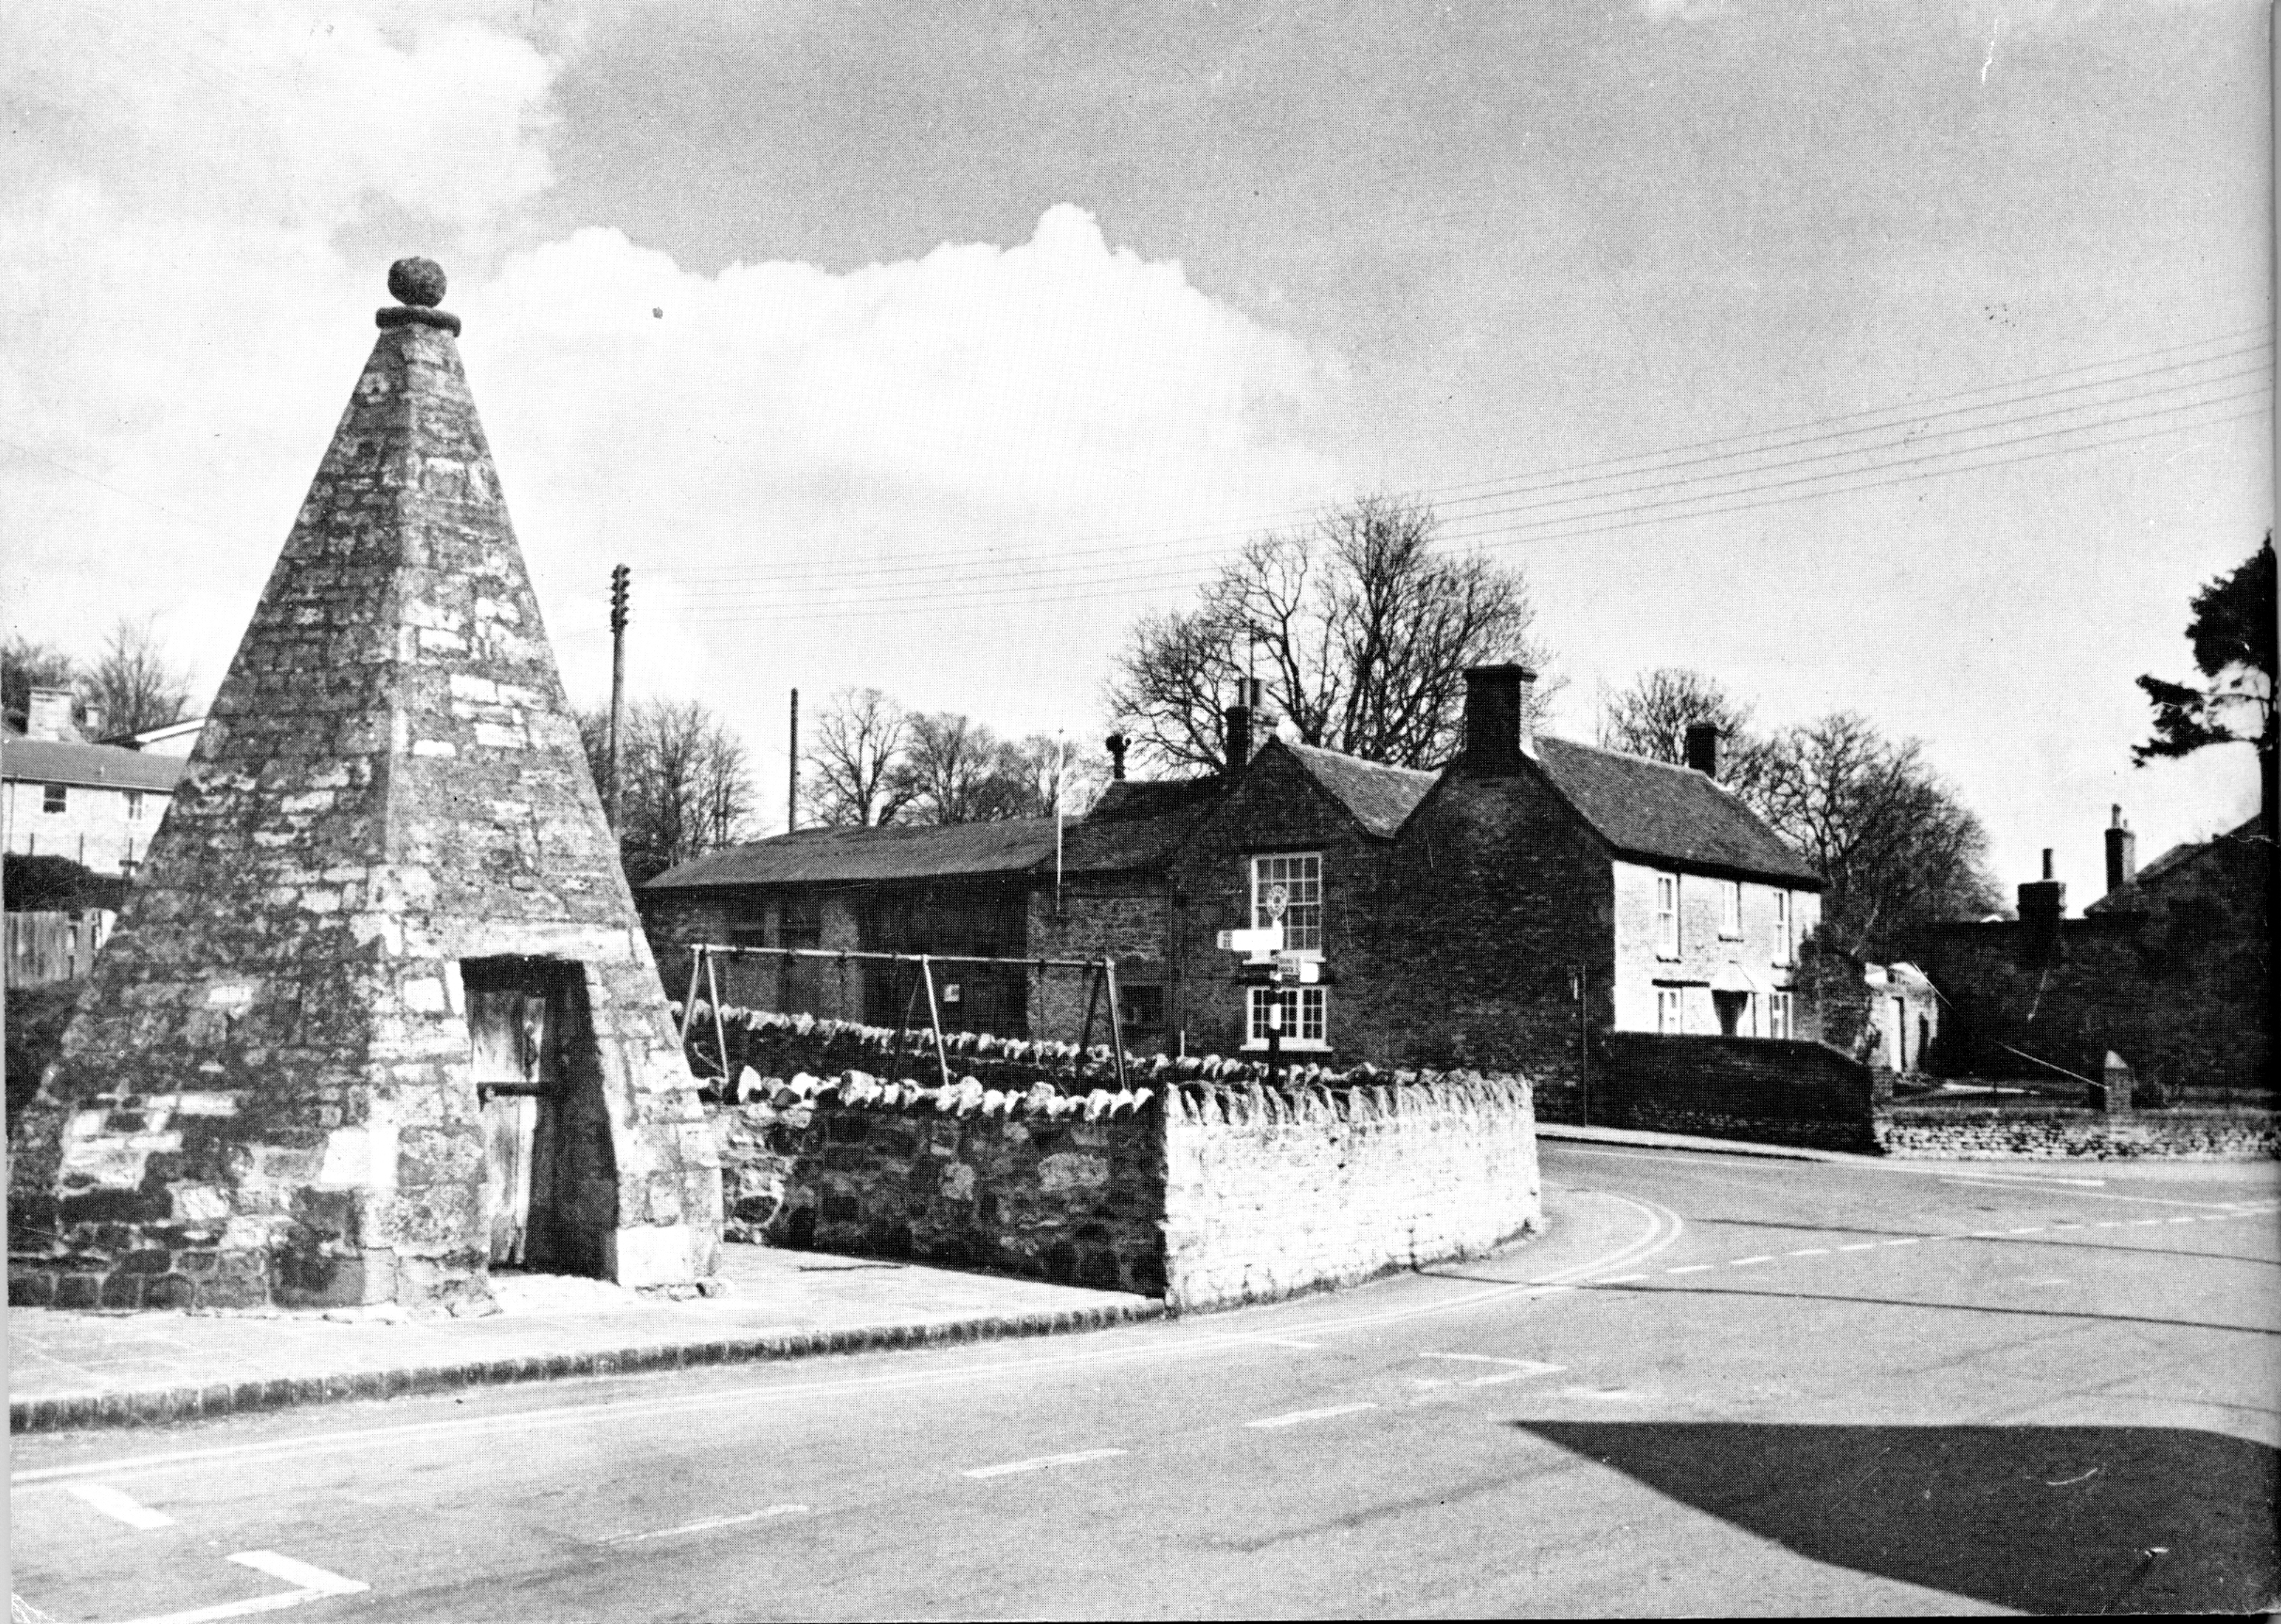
<point x="1668" y="814"/>
<point x="64" y="761"/>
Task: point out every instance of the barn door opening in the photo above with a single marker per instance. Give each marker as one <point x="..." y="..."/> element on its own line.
<point x="550" y="1185"/>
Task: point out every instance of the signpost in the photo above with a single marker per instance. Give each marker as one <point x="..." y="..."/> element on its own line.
<point x="1265" y="964"/>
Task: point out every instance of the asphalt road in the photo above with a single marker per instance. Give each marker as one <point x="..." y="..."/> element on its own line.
<point x="1718" y="1385"/>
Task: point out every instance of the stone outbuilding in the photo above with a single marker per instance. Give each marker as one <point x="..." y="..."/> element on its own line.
<point x="379" y="1016"/>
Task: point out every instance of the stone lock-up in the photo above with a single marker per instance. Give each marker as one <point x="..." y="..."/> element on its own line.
<point x="379" y="1016"/>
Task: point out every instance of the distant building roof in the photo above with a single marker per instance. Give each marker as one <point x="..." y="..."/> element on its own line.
<point x="1668" y="814"/>
<point x="107" y="766"/>
<point x="2132" y="899"/>
<point x="174" y="739"/>
<point x="1380" y="797"/>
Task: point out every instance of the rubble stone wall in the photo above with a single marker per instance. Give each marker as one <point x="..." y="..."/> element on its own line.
<point x="2055" y="1132"/>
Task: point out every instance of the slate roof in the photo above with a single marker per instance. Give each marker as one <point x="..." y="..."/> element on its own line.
<point x="1666" y="813"/>
<point x="1380" y="797"/>
<point x="847" y="857"/>
<point x="107" y="766"/>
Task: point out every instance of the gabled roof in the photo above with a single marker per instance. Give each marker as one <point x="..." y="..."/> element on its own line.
<point x="107" y="766"/>
<point x="1378" y="797"/>
<point x="1664" y="814"/>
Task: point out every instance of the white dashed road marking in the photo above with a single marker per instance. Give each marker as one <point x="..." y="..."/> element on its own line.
<point x="1739" y="1263"/>
<point x="1691" y="1268"/>
<point x="1298" y="1417"/>
<point x="128" y="1510"/>
<point x="1039" y="1464"/>
<point x="710" y="1522"/>
<point x="314" y="1584"/>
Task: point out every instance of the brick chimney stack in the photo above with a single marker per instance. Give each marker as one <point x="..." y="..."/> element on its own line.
<point x="1235" y="737"/>
<point x="2122" y="853"/>
<point x="1497" y="732"/>
<point x="2042" y="902"/>
<point x="1703" y="748"/>
<point x="1117" y="744"/>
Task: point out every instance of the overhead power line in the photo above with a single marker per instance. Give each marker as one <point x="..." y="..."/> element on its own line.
<point x="917" y="584"/>
<point x="1640" y="468"/>
<point x="1095" y="587"/>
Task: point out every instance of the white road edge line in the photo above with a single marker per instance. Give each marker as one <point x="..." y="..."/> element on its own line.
<point x="1039" y="1464"/>
<point x="1297" y="1417"/>
<point x="113" y="1503"/>
<point x="314" y="1584"/>
<point x="709" y="1522"/>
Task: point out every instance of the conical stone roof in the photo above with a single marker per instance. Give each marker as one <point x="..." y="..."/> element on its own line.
<point x="267" y="1092"/>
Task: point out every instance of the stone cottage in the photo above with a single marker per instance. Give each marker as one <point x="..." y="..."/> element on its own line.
<point x="1488" y="915"/>
<point x="379" y="1016"/>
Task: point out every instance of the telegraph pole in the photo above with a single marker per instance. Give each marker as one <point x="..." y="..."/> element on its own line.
<point x="792" y="793"/>
<point x="617" y="694"/>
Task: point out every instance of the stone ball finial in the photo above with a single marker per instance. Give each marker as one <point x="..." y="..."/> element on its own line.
<point x="417" y="281"/>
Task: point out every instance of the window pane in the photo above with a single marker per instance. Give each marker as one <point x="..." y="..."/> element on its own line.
<point x="1301" y="876"/>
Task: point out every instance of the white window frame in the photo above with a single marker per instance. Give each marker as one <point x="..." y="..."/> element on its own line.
<point x="54" y="798"/>
<point x="1781" y="1015"/>
<point x="1786" y="951"/>
<point x="1670" y="1010"/>
<point x="134" y="806"/>
<point x="1667" y="917"/>
<point x="1305" y="1008"/>
<point x="1731" y="909"/>
<point x="1290" y="868"/>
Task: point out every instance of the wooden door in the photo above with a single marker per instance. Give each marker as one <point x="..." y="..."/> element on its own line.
<point x="511" y="1029"/>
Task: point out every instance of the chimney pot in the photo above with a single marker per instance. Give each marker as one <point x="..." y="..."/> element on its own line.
<point x="1117" y="744"/>
<point x="1498" y="731"/>
<point x="1703" y="748"/>
<point x="2047" y="863"/>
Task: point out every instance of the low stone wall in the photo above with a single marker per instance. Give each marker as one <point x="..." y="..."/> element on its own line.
<point x="1987" y="1133"/>
<point x="1203" y="1193"/>
<point x="1272" y="1192"/>
<point x="1771" y="1092"/>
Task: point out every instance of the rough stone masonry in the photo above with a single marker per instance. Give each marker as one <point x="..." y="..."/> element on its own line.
<point x="388" y="853"/>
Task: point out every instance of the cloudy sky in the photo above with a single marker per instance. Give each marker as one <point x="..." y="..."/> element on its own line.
<point x="1910" y="358"/>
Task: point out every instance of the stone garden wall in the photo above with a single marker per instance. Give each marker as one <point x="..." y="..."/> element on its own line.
<point x="1204" y="1194"/>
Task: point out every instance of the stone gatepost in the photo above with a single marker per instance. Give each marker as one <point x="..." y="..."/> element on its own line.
<point x="378" y="1015"/>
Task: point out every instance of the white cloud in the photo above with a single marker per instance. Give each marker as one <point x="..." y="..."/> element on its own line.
<point x="179" y="326"/>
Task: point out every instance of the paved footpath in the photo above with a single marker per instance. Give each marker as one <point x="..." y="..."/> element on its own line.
<point x="73" y="1368"/>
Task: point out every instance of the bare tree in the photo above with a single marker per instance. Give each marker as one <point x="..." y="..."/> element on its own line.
<point x="1898" y="848"/>
<point x="1651" y="718"/>
<point x="1365" y="628"/>
<point x="25" y="664"/>
<point x="689" y="787"/>
<point x="853" y="770"/>
<point x="1040" y="775"/>
<point x="134" y="686"/>
<point x="949" y="770"/>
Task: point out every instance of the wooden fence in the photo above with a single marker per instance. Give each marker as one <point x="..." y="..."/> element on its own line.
<point x="48" y="948"/>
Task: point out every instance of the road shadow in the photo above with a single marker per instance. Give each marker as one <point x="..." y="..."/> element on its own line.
<point x="2043" y="1519"/>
